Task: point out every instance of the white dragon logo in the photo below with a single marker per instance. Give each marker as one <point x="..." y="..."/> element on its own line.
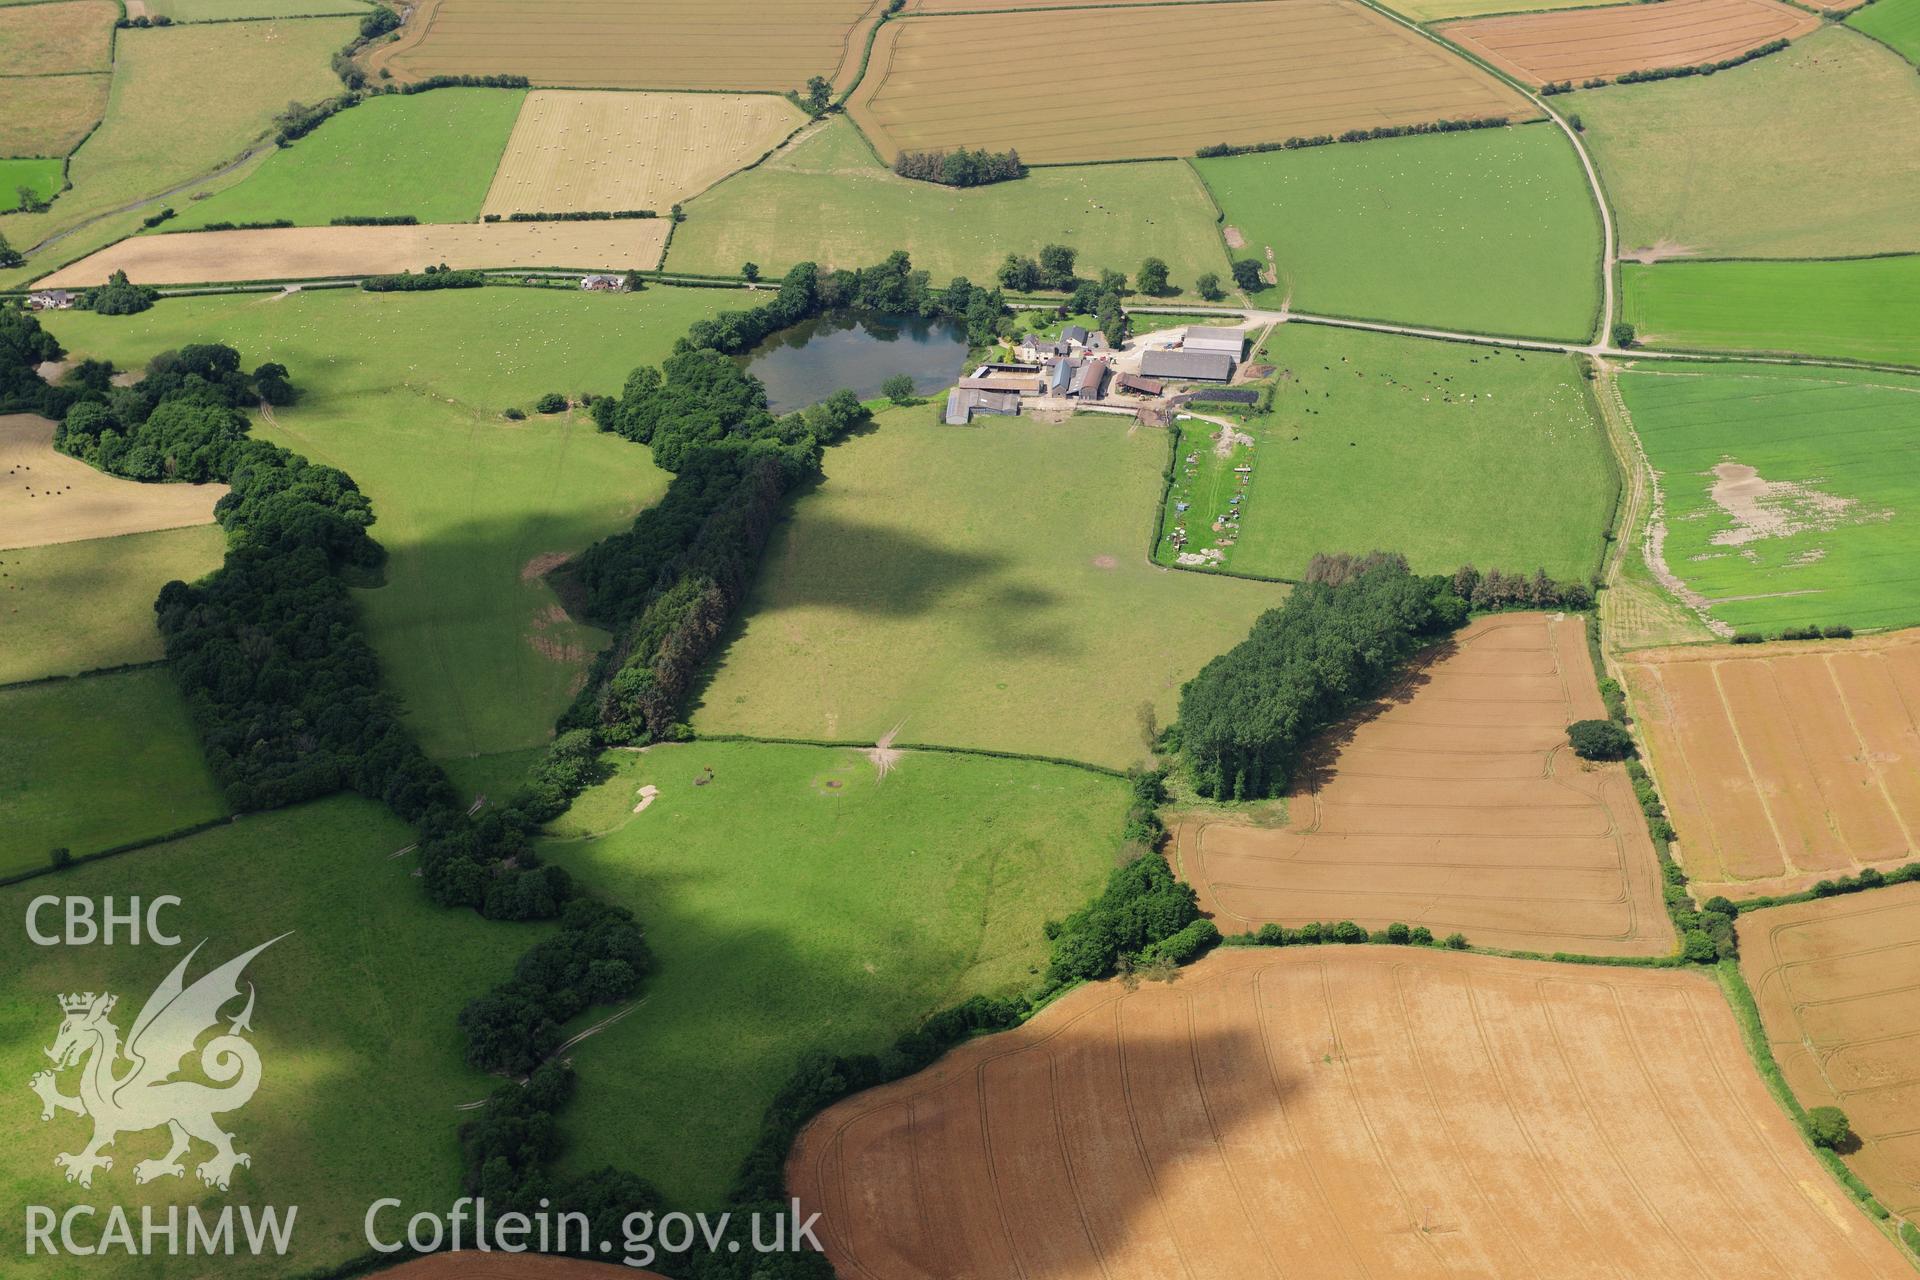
<point x="146" y="1095"/>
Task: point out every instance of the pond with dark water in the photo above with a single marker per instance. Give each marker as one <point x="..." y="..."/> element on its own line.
<point x="807" y="363"/>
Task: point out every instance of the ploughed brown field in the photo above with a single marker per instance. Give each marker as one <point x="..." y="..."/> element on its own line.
<point x="474" y="1265"/>
<point x="1340" y="1112"/>
<point x="1576" y="44"/>
<point x="662" y="44"/>
<point x="1455" y="803"/>
<point x="311" y="253"/>
<point x="1298" y="68"/>
<point x="1836" y="982"/>
<point x="1785" y="764"/>
<point x="48" y="497"/>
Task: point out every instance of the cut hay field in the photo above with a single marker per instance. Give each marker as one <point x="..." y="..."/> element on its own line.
<point x="404" y="392"/>
<point x="1454" y="802"/>
<point x="955" y="582"/>
<point x="428" y="155"/>
<point x="51" y="497"/>
<point x="670" y="44"/>
<point x="1855" y="309"/>
<point x="42" y="177"/>
<point x="1834" y="982"/>
<point x="1784" y="764"/>
<point x="92" y="763"/>
<point x="47" y="116"/>
<point x="1426" y="11"/>
<point x="828" y="200"/>
<point x="1577" y="44"/>
<point x="1449" y="454"/>
<point x="1791" y="495"/>
<point x="795" y="903"/>
<point x="1753" y="162"/>
<point x="1297" y="69"/>
<point x="1340" y="1112"/>
<point x="310" y="253"/>
<point x="57" y="39"/>
<point x="1492" y="231"/>
<point x="1895" y="23"/>
<point x="355" y="1025"/>
<point x="185" y="101"/>
<point x="80" y="606"/>
<point x="587" y="151"/>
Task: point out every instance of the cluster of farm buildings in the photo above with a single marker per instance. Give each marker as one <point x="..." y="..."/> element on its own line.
<point x="1083" y="367"/>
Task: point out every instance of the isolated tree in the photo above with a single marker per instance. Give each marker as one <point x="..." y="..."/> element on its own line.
<point x="1153" y="277"/>
<point x="1246" y="274"/>
<point x="61" y="856"/>
<point x="1599" y="740"/>
<point x="819" y="94"/>
<point x="1623" y="334"/>
<point x="29" y="199"/>
<point x="1209" y="287"/>
<point x="751" y="270"/>
<point x="898" y="388"/>
<point x="1056" y="266"/>
<point x="1828" y="1127"/>
<point x="1019" y="274"/>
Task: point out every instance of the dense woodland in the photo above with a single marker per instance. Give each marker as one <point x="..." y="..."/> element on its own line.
<point x="962" y="168"/>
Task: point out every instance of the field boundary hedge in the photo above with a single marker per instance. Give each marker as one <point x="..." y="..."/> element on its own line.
<point x="114" y="851"/>
<point x="114" y="670"/>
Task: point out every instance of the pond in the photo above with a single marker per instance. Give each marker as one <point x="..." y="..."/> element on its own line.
<point x="812" y="360"/>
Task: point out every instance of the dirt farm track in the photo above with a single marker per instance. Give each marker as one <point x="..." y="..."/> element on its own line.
<point x="1784" y="764"/>
<point x="1838" y="983"/>
<point x="1575" y="44"/>
<point x="1340" y="1112"/>
<point x="1458" y="806"/>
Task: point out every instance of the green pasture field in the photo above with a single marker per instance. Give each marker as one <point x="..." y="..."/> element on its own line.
<point x="794" y="903"/>
<point x="46" y="116"/>
<point x="431" y="155"/>
<point x="97" y="762"/>
<point x="1755" y="162"/>
<point x="1895" y="23"/>
<point x="355" y="1021"/>
<point x="1855" y="309"/>
<point x="1834" y="539"/>
<point x="405" y="392"/>
<point x="1491" y="231"/>
<point x="984" y="586"/>
<point x="229" y="10"/>
<point x="42" y="177"/>
<point x="1449" y="454"/>
<point x="80" y="606"/>
<point x="185" y="101"/>
<point x="829" y="200"/>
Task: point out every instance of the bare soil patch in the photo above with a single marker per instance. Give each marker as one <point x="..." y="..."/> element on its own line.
<point x="1834" y="979"/>
<point x="1340" y="1112"/>
<point x="1762" y="508"/>
<point x="578" y="150"/>
<point x="1784" y="764"/>
<point x="1454" y="803"/>
<point x="1658" y="251"/>
<point x="47" y="497"/>
<point x="1235" y="238"/>
<point x="293" y="253"/>
<point x="1576" y="44"/>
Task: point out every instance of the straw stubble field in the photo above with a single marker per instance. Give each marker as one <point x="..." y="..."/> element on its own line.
<point x="1457" y="806"/>
<point x="1340" y="1112"/>
<point x="1301" y="68"/>
<point x="1580" y="43"/>
<point x="50" y="497"/>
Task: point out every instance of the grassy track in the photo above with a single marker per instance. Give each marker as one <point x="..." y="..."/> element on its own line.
<point x="1839" y="548"/>
<point x="1492" y="231"/>
<point x="1896" y="22"/>
<point x="95" y="763"/>
<point x="831" y="201"/>
<point x="985" y="587"/>
<point x="431" y="155"/>
<point x="78" y="606"/>
<point x="42" y="177"/>
<point x="1756" y="162"/>
<point x="185" y="101"/>
<point x="405" y="393"/>
<point x="354" y="1021"/>
<point x="1446" y="453"/>
<point x="795" y="903"/>
<point x="1862" y="309"/>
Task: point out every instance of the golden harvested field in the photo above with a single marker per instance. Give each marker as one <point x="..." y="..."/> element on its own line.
<point x="308" y="253"/>
<point x="584" y="150"/>
<point x="48" y="497"/>
<point x="664" y="44"/>
<point x="55" y="39"/>
<point x="1784" y="764"/>
<point x="48" y="115"/>
<point x="1581" y="43"/>
<point x="1834" y="979"/>
<point x="1296" y="67"/>
<point x="1456" y="804"/>
<point x="1340" y="1112"/>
